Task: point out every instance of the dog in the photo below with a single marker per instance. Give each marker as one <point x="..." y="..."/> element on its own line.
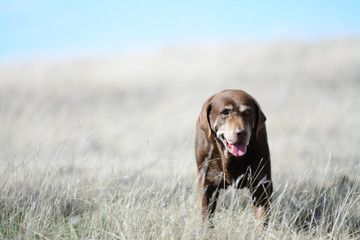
<point x="231" y="149"/>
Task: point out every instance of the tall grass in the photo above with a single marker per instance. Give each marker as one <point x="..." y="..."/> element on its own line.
<point x="54" y="205"/>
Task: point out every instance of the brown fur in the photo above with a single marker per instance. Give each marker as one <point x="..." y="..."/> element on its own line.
<point x="233" y="116"/>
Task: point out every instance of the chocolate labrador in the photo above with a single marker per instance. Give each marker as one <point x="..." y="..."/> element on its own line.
<point x="231" y="149"/>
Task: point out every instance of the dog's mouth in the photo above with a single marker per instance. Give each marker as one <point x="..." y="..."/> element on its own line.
<point x="236" y="149"/>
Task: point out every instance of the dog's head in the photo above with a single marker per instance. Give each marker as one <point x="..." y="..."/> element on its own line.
<point x="232" y="117"/>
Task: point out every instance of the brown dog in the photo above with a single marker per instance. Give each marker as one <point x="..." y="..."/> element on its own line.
<point x="231" y="148"/>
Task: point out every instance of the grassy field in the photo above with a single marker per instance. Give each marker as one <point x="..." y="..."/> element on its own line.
<point x="102" y="148"/>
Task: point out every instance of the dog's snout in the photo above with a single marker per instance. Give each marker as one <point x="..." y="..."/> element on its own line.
<point x="240" y="132"/>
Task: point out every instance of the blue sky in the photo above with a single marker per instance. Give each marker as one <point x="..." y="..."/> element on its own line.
<point x="54" y="28"/>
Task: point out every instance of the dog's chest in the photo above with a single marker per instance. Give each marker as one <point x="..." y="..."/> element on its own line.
<point x="229" y="172"/>
<point x="237" y="171"/>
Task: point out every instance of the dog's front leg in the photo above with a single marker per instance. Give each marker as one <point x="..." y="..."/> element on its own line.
<point x="208" y="195"/>
<point x="262" y="198"/>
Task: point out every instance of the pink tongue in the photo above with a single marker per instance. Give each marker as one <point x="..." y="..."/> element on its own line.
<point x="238" y="149"/>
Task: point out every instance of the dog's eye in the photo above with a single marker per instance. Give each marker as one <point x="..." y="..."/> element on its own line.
<point x="225" y="112"/>
<point x="247" y="112"/>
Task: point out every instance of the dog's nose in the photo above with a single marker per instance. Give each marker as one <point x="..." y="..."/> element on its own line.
<point x="240" y="132"/>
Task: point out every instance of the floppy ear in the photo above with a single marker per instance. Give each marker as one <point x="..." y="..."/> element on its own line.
<point x="260" y="119"/>
<point x="203" y="120"/>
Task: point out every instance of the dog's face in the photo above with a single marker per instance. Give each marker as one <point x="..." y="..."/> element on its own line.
<point x="232" y="121"/>
<point x="234" y="117"/>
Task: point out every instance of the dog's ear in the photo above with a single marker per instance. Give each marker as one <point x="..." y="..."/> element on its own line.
<point x="203" y="120"/>
<point x="260" y="118"/>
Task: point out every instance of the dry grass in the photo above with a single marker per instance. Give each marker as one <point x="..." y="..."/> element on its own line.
<point x="103" y="148"/>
